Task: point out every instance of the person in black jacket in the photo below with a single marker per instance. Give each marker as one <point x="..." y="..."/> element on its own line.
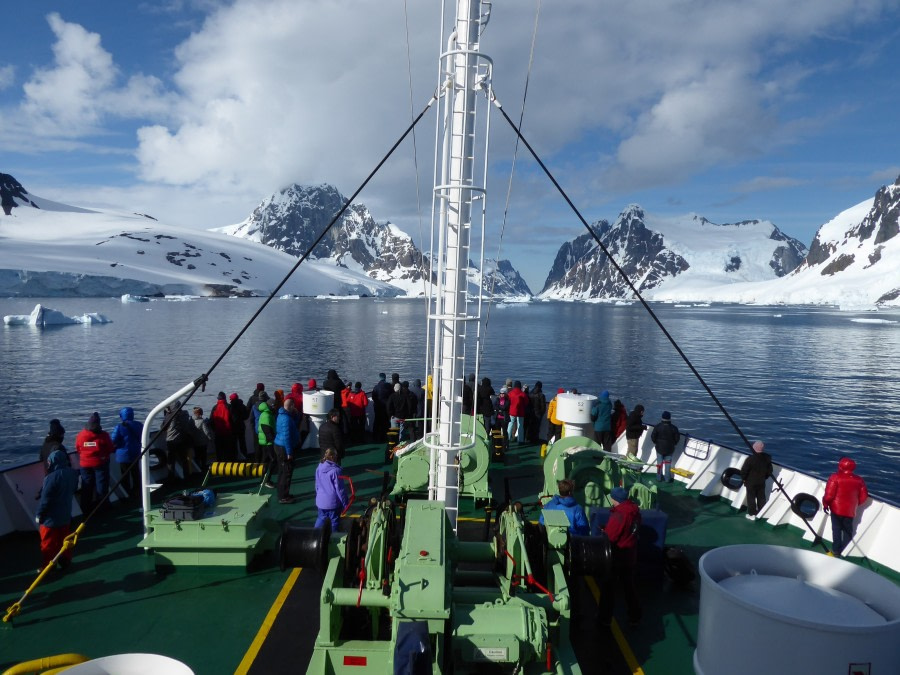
<point x="665" y="437"/>
<point x="239" y="415"/>
<point x="484" y="404"/>
<point x="52" y="442"/>
<point x="331" y="435"/>
<point x="757" y="468"/>
<point x="634" y="427"/>
<point x="381" y="394"/>
<point x="538" y="402"/>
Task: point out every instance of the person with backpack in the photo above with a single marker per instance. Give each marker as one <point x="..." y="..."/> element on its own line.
<point x="126" y="438"/>
<point x="622" y="530"/>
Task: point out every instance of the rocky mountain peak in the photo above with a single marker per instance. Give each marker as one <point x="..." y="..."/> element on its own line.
<point x="11" y="193"/>
<point x="651" y="252"/>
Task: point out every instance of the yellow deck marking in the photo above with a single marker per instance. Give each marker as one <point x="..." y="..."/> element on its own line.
<point x="624" y="647"/>
<point x="252" y="652"/>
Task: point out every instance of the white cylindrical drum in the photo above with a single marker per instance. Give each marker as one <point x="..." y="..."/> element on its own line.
<point x="317" y="402"/>
<point x="316" y="405"/>
<point x="131" y="664"/>
<point x="805" y="612"/>
<point x="574" y="411"/>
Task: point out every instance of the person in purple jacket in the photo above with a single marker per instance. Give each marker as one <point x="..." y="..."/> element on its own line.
<point x="331" y="499"/>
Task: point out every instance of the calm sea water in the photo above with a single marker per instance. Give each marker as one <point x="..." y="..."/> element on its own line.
<point x="814" y="384"/>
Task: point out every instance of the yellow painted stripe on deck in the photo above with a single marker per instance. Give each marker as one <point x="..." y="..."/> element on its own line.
<point x="252" y="652"/>
<point x="624" y="647"/>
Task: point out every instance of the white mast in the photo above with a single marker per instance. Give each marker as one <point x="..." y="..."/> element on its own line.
<point x="465" y="74"/>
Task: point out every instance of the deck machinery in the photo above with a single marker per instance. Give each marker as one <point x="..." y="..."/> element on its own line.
<point x="403" y="591"/>
<point x="407" y="595"/>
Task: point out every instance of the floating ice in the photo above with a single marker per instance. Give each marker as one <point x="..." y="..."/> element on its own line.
<point x="872" y="321"/>
<point x="128" y="297"/>
<point x="44" y="316"/>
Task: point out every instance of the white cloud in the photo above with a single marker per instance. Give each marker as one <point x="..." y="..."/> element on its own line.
<point x="76" y="94"/>
<point x="7" y="76"/>
<point x="622" y="96"/>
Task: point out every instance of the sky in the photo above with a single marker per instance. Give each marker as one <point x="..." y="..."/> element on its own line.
<point x="194" y="111"/>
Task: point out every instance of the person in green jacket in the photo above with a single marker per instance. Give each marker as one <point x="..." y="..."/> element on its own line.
<point x="266" y="437"/>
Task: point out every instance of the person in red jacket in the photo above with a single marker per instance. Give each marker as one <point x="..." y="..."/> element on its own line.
<point x="622" y="530"/>
<point x="94" y="447"/>
<point x="220" y="417"/>
<point x="518" y="404"/>
<point x="844" y="493"/>
<point x="355" y="405"/>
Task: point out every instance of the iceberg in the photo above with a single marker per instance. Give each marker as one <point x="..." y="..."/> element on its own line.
<point x="44" y="316"/>
<point x="128" y="297"/>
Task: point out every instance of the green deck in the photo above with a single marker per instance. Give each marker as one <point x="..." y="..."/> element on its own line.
<point x="114" y="600"/>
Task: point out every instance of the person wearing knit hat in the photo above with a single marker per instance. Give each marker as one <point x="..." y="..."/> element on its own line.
<point x="622" y="532"/>
<point x="757" y="468"/>
<point x="94" y="447"/>
<point x="618" y="494"/>
<point x="665" y="437"/>
<point x="634" y="429"/>
<point x="53" y="441"/>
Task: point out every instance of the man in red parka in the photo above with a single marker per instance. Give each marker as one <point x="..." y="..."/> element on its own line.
<point x="94" y="447"/>
<point x="518" y="403"/>
<point x="622" y="530"/>
<point x="844" y="492"/>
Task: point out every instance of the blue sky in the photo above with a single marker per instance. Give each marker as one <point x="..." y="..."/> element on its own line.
<point x="195" y="110"/>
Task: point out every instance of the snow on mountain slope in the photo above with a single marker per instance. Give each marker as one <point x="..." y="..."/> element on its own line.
<point x="68" y="251"/>
<point x="854" y="262"/>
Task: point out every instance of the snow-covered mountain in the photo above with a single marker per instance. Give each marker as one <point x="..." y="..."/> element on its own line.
<point x="292" y="219"/>
<point x="52" y="249"/>
<point x="853" y="262"/>
<point x="654" y="252"/>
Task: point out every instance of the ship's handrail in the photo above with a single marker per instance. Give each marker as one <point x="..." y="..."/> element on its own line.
<point x="877" y="521"/>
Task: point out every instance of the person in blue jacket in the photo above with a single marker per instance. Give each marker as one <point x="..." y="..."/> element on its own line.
<point x="54" y="513"/>
<point x="331" y="498"/>
<point x="287" y="437"/>
<point x="601" y="414"/>
<point x="564" y="501"/>
<point x="126" y="438"/>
